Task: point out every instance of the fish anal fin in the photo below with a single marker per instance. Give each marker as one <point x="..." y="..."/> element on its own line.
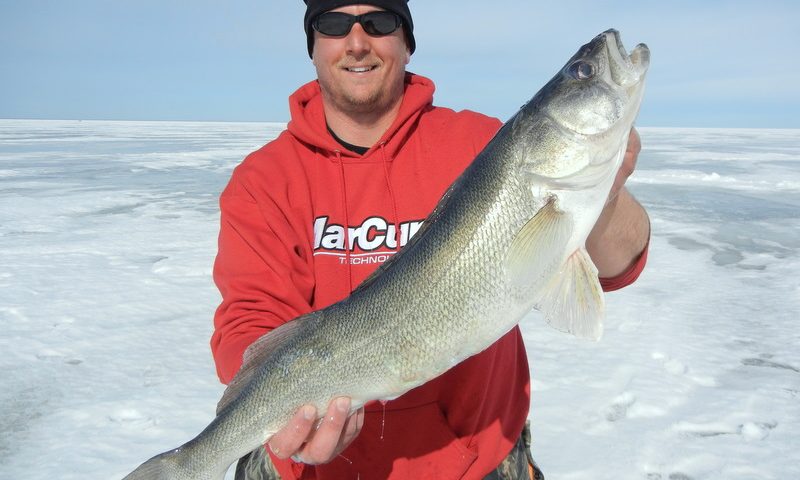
<point x="573" y="300"/>
<point x="531" y="253"/>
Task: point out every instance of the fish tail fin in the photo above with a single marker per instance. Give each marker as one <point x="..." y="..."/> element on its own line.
<point x="573" y="301"/>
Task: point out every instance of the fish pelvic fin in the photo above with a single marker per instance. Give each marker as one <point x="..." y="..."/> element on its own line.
<point x="573" y="300"/>
<point x="530" y="256"/>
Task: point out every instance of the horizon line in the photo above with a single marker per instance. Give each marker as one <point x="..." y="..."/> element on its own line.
<point x="284" y="122"/>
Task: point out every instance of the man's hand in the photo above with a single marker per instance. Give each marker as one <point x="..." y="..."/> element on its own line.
<point x="623" y="229"/>
<point x="628" y="163"/>
<point x="308" y="441"/>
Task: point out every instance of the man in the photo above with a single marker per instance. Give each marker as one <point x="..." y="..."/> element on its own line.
<point x="307" y="217"/>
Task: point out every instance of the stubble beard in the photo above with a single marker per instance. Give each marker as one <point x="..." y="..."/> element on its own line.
<point x="375" y="102"/>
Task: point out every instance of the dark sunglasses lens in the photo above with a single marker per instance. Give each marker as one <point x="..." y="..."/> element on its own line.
<point x="338" y="24"/>
<point x="335" y="24"/>
<point x="380" y="23"/>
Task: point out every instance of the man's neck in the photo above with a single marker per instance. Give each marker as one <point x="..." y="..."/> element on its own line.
<point x="364" y="129"/>
<point x="361" y="150"/>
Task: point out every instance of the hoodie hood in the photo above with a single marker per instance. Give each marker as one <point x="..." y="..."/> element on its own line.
<point x="308" y="124"/>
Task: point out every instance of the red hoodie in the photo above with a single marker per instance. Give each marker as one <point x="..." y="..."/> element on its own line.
<point x="284" y="251"/>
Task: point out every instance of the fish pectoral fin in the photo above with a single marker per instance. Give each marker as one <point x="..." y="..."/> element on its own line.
<point x="259" y="351"/>
<point x="573" y="301"/>
<point x="531" y="251"/>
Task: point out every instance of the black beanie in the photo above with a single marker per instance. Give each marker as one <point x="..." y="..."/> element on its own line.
<point x="400" y="7"/>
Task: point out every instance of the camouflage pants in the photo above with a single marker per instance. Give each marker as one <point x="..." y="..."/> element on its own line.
<point x="518" y="465"/>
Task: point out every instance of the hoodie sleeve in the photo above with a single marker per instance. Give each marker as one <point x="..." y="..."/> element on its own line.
<point x="263" y="271"/>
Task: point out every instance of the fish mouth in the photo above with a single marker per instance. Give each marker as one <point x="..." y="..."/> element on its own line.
<point x="627" y="70"/>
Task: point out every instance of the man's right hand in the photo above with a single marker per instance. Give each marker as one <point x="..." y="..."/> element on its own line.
<point x="314" y="442"/>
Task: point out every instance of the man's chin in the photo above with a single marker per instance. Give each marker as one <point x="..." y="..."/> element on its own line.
<point x="364" y="103"/>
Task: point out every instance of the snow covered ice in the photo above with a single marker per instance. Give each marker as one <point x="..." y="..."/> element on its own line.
<point x="107" y="238"/>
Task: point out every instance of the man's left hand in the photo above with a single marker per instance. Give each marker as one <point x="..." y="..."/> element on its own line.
<point x="628" y="163"/>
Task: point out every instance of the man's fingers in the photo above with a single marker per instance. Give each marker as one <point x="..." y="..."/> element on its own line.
<point x="628" y="163"/>
<point x="351" y="428"/>
<point x="308" y="441"/>
<point x="289" y="439"/>
<point x="324" y="441"/>
<point x="634" y="142"/>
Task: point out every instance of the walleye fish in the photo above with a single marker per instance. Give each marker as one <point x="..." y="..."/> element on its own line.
<point x="507" y="237"/>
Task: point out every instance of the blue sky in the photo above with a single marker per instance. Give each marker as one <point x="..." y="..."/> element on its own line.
<point x="714" y="63"/>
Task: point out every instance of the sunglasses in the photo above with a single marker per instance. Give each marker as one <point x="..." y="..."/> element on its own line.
<point x="338" y="24"/>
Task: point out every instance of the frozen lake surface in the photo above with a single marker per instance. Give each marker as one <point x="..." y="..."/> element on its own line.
<point x="108" y="235"/>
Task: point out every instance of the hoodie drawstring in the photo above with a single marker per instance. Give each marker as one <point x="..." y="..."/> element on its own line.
<point x="397" y="235"/>
<point x="393" y="199"/>
<point x="343" y="186"/>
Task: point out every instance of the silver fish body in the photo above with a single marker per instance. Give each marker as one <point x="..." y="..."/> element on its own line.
<point x="508" y="236"/>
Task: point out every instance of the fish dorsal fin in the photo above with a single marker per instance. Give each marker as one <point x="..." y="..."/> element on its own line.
<point x="531" y="253"/>
<point x="259" y="351"/>
<point x="573" y="299"/>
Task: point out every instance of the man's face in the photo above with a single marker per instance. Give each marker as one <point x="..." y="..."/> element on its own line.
<point x="361" y="73"/>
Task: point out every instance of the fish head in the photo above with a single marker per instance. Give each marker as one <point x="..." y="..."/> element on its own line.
<point x="600" y="87"/>
<point x="582" y="116"/>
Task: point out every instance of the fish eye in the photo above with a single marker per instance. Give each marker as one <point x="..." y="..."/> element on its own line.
<point x="582" y="70"/>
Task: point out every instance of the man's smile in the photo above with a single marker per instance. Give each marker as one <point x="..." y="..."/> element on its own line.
<point x="361" y="69"/>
